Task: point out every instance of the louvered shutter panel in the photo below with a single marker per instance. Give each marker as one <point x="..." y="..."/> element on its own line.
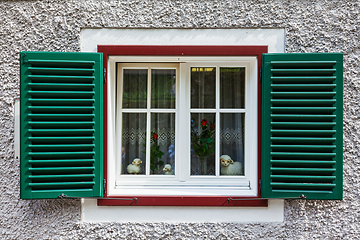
<point x="61" y="125"/>
<point x="302" y="125"/>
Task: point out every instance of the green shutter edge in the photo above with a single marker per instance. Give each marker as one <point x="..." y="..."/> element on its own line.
<point x="330" y="191"/>
<point x="31" y="189"/>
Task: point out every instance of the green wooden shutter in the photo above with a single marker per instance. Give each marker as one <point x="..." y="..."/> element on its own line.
<point x="61" y="125"/>
<point x="302" y="125"/>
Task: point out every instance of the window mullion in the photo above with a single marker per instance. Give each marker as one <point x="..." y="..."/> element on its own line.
<point x="183" y="154"/>
<point x="148" y="124"/>
<point x="217" y="120"/>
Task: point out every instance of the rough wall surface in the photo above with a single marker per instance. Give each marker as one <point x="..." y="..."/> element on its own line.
<point x="311" y="26"/>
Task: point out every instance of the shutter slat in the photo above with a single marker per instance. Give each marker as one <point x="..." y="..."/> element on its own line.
<point x="67" y="71"/>
<point x="59" y="62"/>
<point x="59" y="78"/>
<point x="59" y="154"/>
<point x="60" y="100"/>
<point x="302" y="126"/>
<point x="303" y="71"/>
<point x="61" y="177"/>
<point x="305" y="117"/>
<point x="61" y="169"/>
<point x="61" y="123"/>
<point x="300" y="162"/>
<point x="302" y="94"/>
<point x="62" y="162"/>
<point x="323" y="170"/>
<point x="43" y="146"/>
<point x="57" y="138"/>
<point x="304" y="154"/>
<point x="303" y="109"/>
<point x="303" y="102"/>
<point x="318" y="193"/>
<point x="297" y="63"/>
<point x="297" y="139"/>
<point x="49" y="131"/>
<point x="304" y="147"/>
<point x="303" y="185"/>
<point x="59" y="86"/>
<point x="304" y="132"/>
<point x="61" y="117"/>
<point x="303" y="79"/>
<point x="305" y="87"/>
<point x="301" y="178"/>
<point x="56" y="108"/>
<point x="64" y="93"/>
<point x="61" y="185"/>
<point x="70" y="117"/>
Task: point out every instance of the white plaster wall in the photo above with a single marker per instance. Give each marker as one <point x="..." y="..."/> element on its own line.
<point x="51" y="25"/>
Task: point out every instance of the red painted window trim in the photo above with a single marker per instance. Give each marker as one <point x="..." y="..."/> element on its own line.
<point x="154" y="50"/>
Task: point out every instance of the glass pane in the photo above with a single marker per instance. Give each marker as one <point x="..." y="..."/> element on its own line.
<point x="162" y="148"/>
<point x="232" y="143"/>
<point x="232" y="87"/>
<point x="163" y="88"/>
<point x="133" y="143"/>
<point x="203" y="144"/>
<point x="203" y="87"/>
<point x="135" y="88"/>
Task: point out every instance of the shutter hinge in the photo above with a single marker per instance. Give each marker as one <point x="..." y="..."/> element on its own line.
<point x="24" y="59"/>
<point x="260" y="78"/>
<point x="104" y="77"/>
<point x="104" y="186"/>
<point x="61" y="196"/>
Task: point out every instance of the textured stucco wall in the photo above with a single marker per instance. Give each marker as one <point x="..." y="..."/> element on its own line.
<point x="311" y="26"/>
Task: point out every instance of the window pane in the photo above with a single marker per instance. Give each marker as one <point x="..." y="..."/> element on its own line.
<point x="203" y="87"/>
<point x="203" y="144"/>
<point x="163" y="88"/>
<point x="133" y="143"/>
<point x="135" y="88"/>
<point x="232" y="143"/>
<point x="162" y="148"/>
<point x="232" y="87"/>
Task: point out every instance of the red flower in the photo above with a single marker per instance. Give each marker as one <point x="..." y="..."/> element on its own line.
<point x="155" y="136"/>
<point x="203" y="122"/>
<point x="212" y="126"/>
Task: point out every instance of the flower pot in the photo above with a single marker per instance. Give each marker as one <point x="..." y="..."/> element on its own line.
<point x="202" y="165"/>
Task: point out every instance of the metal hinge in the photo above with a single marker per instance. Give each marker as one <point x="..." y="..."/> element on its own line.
<point x="260" y="78"/>
<point x="104" y="77"/>
<point x="61" y="196"/>
<point x="24" y="59"/>
<point x="104" y="186"/>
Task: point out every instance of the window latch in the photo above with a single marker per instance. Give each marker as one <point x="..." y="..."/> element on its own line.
<point x="104" y="77"/>
<point x="259" y="186"/>
<point x="104" y="186"/>
<point x="260" y="77"/>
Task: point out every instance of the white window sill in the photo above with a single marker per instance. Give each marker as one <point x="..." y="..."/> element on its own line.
<point x="90" y="212"/>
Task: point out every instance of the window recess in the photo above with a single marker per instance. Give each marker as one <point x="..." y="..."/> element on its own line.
<point x="176" y="118"/>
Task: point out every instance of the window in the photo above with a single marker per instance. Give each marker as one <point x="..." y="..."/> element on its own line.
<point x="186" y="112"/>
<point x="62" y="117"/>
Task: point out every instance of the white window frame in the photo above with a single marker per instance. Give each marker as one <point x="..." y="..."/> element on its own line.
<point x="183" y="184"/>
